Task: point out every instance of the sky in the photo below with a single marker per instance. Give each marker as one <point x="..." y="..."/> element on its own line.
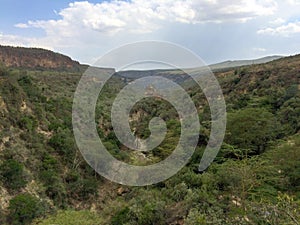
<point x="216" y="30"/>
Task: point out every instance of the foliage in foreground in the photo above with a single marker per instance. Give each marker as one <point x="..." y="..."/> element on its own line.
<point x="68" y="217"/>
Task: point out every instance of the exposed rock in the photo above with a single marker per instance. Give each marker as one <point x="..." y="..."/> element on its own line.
<point x="23" y="106"/>
<point x="48" y="134"/>
<point x="3" y="107"/>
<point x="4" y="198"/>
<point x="122" y="190"/>
<point x="3" y="142"/>
<point x="36" y="58"/>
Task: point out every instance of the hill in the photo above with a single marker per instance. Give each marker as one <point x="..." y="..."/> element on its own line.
<point x="180" y="76"/>
<point x="239" y="63"/>
<point x="36" y="58"/>
<point x="255" y="178"/>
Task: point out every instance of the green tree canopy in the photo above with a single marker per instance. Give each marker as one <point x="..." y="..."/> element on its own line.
<point x="251" y="129"/>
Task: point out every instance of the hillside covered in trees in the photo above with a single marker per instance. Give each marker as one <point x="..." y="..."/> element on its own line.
<point x="255" y="178"/>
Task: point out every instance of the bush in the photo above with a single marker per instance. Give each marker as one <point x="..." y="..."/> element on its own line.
<point x="179" y="192"/>
<point x="148" y="212"/>
<point x="72" y="217"/>
<point x="12" y="175"/>
<point x="121" y="217"/>
<point x="28" y="123"/>
<point x="57" y="193"/>
<point x="82" y="189"/>
<point x="23" y="209"/>
<point x="195" y="217"/>
<point x="63" y="142"/>
<point x="49" y="175"/>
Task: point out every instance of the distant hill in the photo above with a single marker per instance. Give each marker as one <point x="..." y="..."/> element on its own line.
<point x="180" y="76"/>
<point x="174" y="75"/>
<point x="36" y="58"/>
<point x="238" y="63"/>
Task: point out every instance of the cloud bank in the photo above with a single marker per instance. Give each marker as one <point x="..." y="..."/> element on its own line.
<point x="143" y="16"/>
<point x="283" y="30"/>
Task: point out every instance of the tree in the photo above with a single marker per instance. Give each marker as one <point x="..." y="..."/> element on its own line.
<point x="289" y="115"/>
<point x="251" y="129"/>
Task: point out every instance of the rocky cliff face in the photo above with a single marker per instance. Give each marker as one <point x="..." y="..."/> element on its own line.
<point x="36" y="58"/>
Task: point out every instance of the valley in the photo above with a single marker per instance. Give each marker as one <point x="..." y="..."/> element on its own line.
<point x="255" y="179"/>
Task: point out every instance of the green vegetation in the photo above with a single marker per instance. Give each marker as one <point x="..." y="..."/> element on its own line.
<point x="12" y="175"/>
<point x="251" y="129"/>
<point x="68" y="217"/>
<point x="255" y="179"/>
<point x="24" y="208"/>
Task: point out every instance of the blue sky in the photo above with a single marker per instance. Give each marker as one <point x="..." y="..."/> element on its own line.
<point x="216" y="30"/>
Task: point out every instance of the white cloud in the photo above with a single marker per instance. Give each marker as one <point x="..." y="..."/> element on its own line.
<point x="277" y="21"/>
<point x="259" y="49"/>
<point x="284" y="30"/>
<point x="14" y="40"/>
<point x="21" y="41"/>
<point x="293" y="2"/>
<point x="22" y="25"/>
<point x="142" y="16"/>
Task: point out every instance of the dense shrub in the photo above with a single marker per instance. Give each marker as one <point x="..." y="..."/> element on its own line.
<point x="12" y="175"/>
<point x="148" y="212"/>
<point x="63" y="142"/>
<point x="28" y="123"/>
<point x="121" y="217"/>
<point x="82" y="189"/>
<point x="24" y="208"/>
